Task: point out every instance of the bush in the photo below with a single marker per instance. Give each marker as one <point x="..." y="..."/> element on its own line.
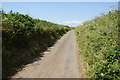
<point x="98" y="44"/>
<point x="24" y="38"/>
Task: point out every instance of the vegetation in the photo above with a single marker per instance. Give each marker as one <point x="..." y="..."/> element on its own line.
<point x="24" y="38"/>
<point x="99" y="45"/>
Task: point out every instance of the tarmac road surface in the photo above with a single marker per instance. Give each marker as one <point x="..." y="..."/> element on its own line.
<point x="59" y="61"/>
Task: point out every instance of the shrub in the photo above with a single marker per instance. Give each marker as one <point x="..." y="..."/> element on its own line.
<point x="24" y="38"/>
<point x="98" y="44"/>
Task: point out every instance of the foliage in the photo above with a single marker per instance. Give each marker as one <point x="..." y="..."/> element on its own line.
<point x="99" y="45"/>
<point x="24" y="38"/>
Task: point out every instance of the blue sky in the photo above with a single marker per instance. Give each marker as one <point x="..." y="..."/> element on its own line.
<point x="67" y="13"/>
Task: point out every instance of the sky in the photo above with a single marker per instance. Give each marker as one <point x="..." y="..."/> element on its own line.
<point x="66" y="13"/>
<point x="60" y="0"/>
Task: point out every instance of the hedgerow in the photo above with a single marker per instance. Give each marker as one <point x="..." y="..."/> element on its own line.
<point x="99" y="46"/>
<point x="24" y="38"/>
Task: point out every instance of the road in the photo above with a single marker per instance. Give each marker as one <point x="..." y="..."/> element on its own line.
<point x="59" y="61"/>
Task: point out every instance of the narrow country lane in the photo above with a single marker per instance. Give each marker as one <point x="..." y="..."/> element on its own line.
<point x="61" y="61"/>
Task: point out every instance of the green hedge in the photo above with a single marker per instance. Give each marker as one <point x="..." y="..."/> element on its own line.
<point x="24" y="38"/>
<point x="98" y="44"/>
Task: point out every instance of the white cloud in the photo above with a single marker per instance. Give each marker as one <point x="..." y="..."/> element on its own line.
<point x="72" y="23"/>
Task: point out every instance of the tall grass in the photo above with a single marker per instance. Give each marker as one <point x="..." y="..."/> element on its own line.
<point x="98" y="45"/>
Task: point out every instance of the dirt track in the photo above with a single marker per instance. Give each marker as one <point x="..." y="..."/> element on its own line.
<point x="60" y="61"/>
